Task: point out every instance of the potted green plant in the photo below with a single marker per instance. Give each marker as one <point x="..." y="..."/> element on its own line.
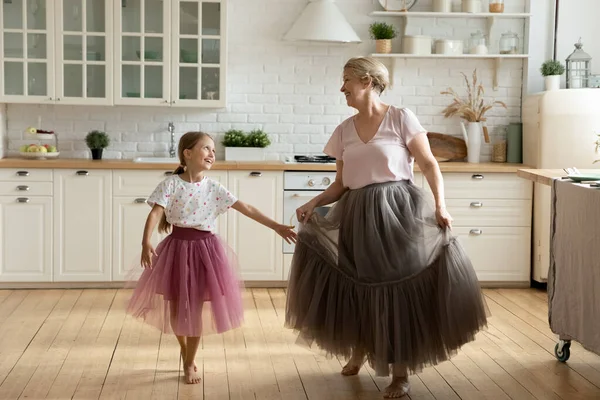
<point x="245" y="147"/>
<point x="382" y="33"/>
<point x="552" y="70"/>
<point x="97" y="141"/>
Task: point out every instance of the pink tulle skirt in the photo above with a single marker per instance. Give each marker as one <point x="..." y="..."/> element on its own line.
<point x="191" y="268"/>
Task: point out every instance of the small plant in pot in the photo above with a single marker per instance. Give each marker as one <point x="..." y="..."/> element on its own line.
<point x="552" y="70"/>
<point x="245" y="147"/>
<point x="382" y="33"/>
<point x="97" y="141"/>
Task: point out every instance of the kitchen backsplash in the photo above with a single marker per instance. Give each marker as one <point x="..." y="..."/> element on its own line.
<point x="290" y="90"/>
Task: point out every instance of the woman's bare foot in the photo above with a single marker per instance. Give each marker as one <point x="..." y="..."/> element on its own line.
<point x="398" y="388"/>
<point x="183" y="350"/>
<point x="354" y="365"/>
<point x="190" y="374"/>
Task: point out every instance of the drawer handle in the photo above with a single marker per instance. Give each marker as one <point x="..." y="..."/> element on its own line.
<point x="477" y="176"/>
<point x="139" y="200"/>
<point x="22" y="188"/>
<point x="22" y="200"/>
<point x="257" y="174"/>
<point x="476" y="204"/>
<point x="83" y="173"/>
<point x="168" y="173"/>
<point x="23" y="173"/>
<point x="476" y="232"/>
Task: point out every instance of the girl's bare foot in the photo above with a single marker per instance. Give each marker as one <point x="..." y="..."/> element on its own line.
<point x="183" y="350"/>
<point x="190" y="374"/>
<point x="354" y="365"/>
<point x="398" y="388"/>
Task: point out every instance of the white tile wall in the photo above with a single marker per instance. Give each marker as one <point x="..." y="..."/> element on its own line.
<point x="290" y="90"/>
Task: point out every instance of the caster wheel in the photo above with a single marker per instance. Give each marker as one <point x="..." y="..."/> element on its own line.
<point x="562" y="354"/>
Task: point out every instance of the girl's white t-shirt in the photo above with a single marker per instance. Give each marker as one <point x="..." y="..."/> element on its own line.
<point x="192" y="205"/>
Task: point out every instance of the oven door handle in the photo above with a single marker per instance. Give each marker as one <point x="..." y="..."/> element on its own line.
<point x="298" y="196"/>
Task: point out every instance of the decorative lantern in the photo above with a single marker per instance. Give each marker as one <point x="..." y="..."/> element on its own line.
<point x="579" y="68"/>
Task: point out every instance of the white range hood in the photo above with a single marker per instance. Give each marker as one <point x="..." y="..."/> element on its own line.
<point x="322" y="21"/>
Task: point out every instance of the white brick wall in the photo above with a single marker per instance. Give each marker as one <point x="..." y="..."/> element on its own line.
<point x="290" y="90"/>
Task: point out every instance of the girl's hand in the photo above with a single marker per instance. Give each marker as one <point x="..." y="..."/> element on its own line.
<point x="287" y="232"/>
<point x="443" y="217"/>
<point x="147" y="253"/>
<point x="303" y="213"/>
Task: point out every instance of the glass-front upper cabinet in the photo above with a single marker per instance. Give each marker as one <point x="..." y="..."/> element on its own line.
<point x="199" y="53"/>
<point x="142" y="49"/>
<point x="27" y="51"/>
<point x="84" y="52"/>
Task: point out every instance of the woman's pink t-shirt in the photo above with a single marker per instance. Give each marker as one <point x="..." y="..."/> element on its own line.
<point x="384" y="158"/>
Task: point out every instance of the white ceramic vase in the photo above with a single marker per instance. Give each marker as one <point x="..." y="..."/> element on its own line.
<point x="244" y="154"/>
<point x="552" y="82"/>
<point x="472" y="135"/>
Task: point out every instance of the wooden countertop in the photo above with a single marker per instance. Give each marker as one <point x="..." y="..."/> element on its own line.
<point x="546" y="176"/>
<point x="74" y="163"/>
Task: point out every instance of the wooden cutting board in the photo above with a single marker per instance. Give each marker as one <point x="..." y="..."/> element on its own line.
<point x="447" y="147"/>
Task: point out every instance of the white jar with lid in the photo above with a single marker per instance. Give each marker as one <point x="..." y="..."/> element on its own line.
<point x="471" y="6"/>
<point x="416" y="44"/>
<point x="449" y="47"/>
<point x="477" y="43"/>
<point x="444" y="6"/>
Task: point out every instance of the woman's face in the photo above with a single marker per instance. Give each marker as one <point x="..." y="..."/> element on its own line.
<point x="355" y="90"/>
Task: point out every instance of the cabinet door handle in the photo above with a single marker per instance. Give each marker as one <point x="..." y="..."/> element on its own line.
<point x="22" y="188"/>
<point x="22" y="200"/>
<point x="168" y="173"/>
<point x="476" y="204"/>
<point x="257" y="174"/>
<point x="477" y="176"/>
<point x="139" y="200"/>
<point x="476" y="232"/>
<point x="83" y="173"/>
<point x="23" y="173"/>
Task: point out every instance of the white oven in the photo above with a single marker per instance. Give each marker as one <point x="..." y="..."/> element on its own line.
<point x="299" y="188"/>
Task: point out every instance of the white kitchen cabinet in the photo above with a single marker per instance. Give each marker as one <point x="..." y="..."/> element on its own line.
<point x="84" y="52"/>
<point x="498" y="254"/>
<point x="26" y="238"/>
<point x="129" y="218"/>
<point x="170" y="53"/>
<point x="258" y="248"/>
<point x="492" y="219"/>
<point x="82" y="225"/>
<point x="105" y="52"/>
<point x="27" y="51"/>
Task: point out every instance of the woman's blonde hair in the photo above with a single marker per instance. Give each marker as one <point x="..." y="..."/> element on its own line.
<point x="365" y="68"/>
<point x="187" y="142"/>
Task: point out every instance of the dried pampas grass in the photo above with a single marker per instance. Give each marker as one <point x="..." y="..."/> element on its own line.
<point x="472" y="109"/>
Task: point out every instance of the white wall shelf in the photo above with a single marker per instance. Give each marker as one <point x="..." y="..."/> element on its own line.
<point x="431" y="14"/>
<point x="496" y="57"/>
<point x="462" y="56"/>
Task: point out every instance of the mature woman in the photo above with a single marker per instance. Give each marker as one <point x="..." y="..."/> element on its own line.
<point x="380" y="277"/>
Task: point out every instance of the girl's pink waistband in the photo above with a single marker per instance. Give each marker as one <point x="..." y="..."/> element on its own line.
<point x="189" y="233"/>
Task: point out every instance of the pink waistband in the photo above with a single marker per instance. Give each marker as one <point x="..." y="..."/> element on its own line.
<point x="189" y="233"/>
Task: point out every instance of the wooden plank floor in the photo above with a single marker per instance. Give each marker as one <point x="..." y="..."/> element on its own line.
<point x="79" y="344"/>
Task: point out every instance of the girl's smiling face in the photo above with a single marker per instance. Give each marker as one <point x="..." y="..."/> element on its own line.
<point x="202" y="155"/>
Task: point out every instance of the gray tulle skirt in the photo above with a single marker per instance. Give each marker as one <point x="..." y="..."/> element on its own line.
<point x="378" y="275"/>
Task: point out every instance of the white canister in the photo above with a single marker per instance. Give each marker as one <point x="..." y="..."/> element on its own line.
<point x="444" y="6"/>
<point x="449" y="47"/>
<point x="416" y="44"/>
<point x="471" y="6"/>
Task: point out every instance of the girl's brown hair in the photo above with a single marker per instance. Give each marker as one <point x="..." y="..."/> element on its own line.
<point x="187" y="142"/>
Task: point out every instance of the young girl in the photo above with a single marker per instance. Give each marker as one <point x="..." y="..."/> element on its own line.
<point x="191" y="265"/>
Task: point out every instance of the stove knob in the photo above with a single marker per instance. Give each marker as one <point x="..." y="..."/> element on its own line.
<point x="311" y="182"/>
<point x="326" y="182"/>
